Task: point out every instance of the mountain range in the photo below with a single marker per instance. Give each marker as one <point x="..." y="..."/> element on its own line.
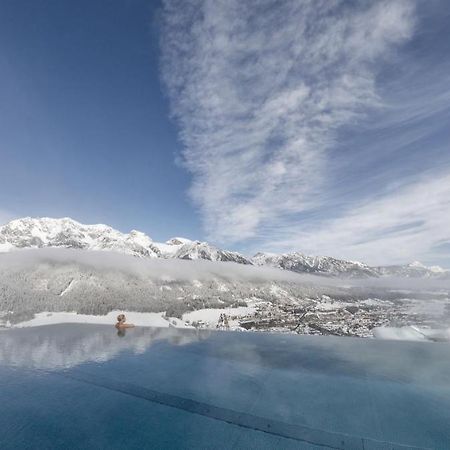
<point x="67" y="233"/>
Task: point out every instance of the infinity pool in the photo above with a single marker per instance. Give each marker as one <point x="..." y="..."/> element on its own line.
<point x="86" y="387"/>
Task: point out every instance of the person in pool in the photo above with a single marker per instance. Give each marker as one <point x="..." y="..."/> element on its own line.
<point x="121" y="322"/>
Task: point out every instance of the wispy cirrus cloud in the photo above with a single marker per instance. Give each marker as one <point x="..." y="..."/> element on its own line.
<point x="409" y="222"/>
<point x="259" y="90"/>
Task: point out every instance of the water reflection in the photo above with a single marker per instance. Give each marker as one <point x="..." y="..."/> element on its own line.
<point x="121" y="332"/>
<point x="324" y="390"/>
<point x="405" y="362"/>
<point x="64" y="346"/>
<point x="68" y="345"/>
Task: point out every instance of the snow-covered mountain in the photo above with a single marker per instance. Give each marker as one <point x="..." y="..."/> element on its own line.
<point x="46" y="232"/>
<point x="324" y="265"/>
<point x="203" y="250"/>
<point x="413" y="270"/>
<point x="67" y="233"/>
<point x="183" y="248"/>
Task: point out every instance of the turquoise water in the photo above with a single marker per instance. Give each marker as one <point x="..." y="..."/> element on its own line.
<point x="83" y="386"/>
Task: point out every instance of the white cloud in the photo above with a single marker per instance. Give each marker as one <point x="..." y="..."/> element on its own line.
<point x="409" y="223"/>
<point x="259" y="89"/>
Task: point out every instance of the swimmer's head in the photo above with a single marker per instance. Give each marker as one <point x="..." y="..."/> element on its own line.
<point x="121" y="318"/>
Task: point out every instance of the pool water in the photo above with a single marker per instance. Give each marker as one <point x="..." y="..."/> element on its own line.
<point x="86" y="387"/>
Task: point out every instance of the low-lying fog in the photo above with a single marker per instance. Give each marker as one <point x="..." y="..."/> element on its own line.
<point x="57" y="280"/>
<point x="183" y="270"/>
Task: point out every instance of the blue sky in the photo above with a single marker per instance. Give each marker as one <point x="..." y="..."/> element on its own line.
<point x="315" y="126"/>
<point x="84" y="128"/>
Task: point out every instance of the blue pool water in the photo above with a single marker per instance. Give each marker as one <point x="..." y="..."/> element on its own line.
<point x="83" y="386"/>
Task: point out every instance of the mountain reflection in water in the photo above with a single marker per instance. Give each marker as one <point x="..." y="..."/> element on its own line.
<point x="67" y="345"/>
